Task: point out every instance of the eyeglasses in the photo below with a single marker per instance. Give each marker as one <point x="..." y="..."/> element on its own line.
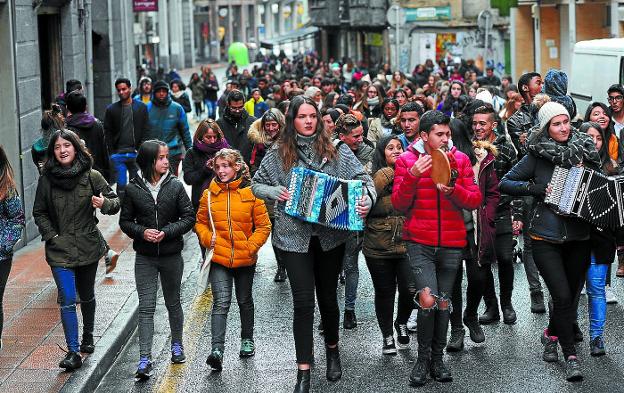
<point x="615" y="98"/>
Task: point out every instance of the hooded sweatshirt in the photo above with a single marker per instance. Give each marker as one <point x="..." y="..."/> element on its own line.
<point x="91" y="131"/>
<point x="556" y="87"/>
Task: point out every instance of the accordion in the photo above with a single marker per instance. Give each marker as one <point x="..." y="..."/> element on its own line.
<point x="323" y="199"/>
<point x="587" y="194"/>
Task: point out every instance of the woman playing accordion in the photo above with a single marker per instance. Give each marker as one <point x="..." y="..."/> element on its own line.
<point x="311" y="253"/>
<point x="561" y="244"/>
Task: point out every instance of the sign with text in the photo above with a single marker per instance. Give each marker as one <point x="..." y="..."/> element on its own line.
<point x="145" y="5"/>
<point x="428" y="13"/>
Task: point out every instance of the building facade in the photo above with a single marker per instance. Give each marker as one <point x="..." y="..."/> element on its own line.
<point x="544" y="32"/>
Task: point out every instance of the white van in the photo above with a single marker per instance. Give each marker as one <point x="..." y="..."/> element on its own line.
<point x="596" y="65"/>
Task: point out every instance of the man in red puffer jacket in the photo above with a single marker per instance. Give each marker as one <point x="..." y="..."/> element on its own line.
<point x="435" y="234"/>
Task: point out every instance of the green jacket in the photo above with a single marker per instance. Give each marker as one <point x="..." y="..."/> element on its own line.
<point x="67" y="222"/>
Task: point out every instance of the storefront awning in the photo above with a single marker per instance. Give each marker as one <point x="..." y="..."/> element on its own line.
<point x="292" y="36"/>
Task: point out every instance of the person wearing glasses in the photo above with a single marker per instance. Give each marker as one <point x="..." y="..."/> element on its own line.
<point x="235" y="124"/>
<point x="616" y="102"/>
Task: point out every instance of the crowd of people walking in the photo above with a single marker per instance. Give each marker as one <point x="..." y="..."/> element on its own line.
<point x="380" y="128"/>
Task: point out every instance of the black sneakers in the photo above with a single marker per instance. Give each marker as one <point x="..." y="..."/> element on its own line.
<point x="403" y="338"/>
<point x="476" y="332"/>
<point x="87" y="346"/>
<point x="537" y="302"/>
<point x="550" y="347"/>
<point x="280" y="275"/>
<point x="388" y="346"/>
<point x="597" y="347"/>
<point x="144" y="369"/>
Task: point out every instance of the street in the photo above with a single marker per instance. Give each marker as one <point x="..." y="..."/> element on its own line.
<point x="509" y="360"/>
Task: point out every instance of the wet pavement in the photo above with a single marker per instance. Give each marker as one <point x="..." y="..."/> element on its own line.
<point x="508" y="361"/>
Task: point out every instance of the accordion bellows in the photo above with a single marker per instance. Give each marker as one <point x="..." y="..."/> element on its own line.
<point x="323" y="199"/>
<point x="587" y="194"/>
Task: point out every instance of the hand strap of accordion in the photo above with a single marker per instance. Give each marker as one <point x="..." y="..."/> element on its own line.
<point x="214" y="233"/>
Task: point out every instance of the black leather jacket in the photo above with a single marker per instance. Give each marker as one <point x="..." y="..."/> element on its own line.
<point x="173" y="214"/>
<point x="543" y="222"/>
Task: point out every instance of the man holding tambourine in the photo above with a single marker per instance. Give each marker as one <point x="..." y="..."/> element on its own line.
<point x="433" y="183"/>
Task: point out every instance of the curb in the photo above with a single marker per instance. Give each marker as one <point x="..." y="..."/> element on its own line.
<point x="89" y="376"/>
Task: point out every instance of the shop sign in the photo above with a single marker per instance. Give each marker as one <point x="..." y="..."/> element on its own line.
<point x="428" y="13"/>
<point x="145" y="5"/>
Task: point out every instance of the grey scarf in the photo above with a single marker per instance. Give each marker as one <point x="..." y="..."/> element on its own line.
<point x="579" y="149"/>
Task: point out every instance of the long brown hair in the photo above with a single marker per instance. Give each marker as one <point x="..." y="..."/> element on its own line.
<point x="7" y="181"/>
<point x="288" y="139"/>
<point x="204" y="126"/>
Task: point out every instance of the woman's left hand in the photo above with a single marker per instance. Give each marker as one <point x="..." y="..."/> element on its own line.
<point x="97" y="202"/>
<point x="363" y="206"/>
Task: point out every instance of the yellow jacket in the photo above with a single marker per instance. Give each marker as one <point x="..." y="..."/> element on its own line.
<point x="241" y="222"/>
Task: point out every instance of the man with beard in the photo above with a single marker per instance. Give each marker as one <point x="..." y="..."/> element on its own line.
<point x="126" y="126"/>
<point x="235" y="124"/>
<point x="168" y="123"/>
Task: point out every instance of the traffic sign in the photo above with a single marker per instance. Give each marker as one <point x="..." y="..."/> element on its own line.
<point x="396" y="11"/>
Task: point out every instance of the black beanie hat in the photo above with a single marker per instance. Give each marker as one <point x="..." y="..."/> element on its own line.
<point x="161" y="85"/>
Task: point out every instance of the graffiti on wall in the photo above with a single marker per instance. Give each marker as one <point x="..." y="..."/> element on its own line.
<point x="462" y="44"/>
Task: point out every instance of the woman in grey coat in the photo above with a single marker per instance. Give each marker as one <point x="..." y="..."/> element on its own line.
<point x="311" y="253"/>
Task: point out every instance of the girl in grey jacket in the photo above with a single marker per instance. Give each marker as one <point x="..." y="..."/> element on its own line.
<point x="312" y="253"/>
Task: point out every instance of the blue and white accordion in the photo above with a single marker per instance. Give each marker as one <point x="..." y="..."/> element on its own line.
<point x="323" y="199"/>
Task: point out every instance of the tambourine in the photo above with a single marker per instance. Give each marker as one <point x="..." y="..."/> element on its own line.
<point x="443" y="167"/>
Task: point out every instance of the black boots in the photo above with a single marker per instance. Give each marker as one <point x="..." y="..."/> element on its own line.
<point x="334" y="367"/>
<point x="87" y="346"/>
<point x="456" y="342"/>
<point x="476" y="332"/>
<point x="350" y="321"/>
<point x="71" y="362"/>
<point x="491" y="313"/>
<point x="280" y="275"/>
<point x="509" y="314"/>
<point x="440" y="372"/>
<point x="420" y="373"/>
<point x="303" y="381"/>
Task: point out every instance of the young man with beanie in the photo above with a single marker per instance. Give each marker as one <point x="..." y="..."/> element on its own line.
<point x="168" y="123"/>
<point x="518" y="127"/>
<point x="435" y="234"/>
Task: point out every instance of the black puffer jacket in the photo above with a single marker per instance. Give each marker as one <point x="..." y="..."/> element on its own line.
<point x="173" y="214"/>
<point x="543" y="222"/>
<point x="235" y="132"/>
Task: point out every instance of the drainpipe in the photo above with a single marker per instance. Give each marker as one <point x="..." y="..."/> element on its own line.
<point x="88" y="28"/>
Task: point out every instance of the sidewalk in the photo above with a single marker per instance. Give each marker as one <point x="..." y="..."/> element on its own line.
<point x="32" y="328"/>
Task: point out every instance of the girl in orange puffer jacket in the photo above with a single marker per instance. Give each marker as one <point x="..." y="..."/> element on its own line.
<point x="242" y="226"/>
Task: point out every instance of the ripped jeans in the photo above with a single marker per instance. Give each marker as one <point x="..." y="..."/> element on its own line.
<point x="434" y="271"/>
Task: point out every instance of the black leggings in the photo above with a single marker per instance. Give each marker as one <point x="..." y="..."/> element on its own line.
<point x="386" y="273"/>
<point x="504" y="256"/>
<point x="5" y="269"/>
<point x="307" y="271"/>
<point x="563" y="268"/>
<point x="198" y="108"/>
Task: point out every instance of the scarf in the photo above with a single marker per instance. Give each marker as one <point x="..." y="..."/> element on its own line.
<point x="67" y="178"/>
<point x="210" y="148"/>
<point x="386" y="123"/>
<point x="579" y="149"/>
<point x="306" y="152"/>
<point x="372" y="102"/>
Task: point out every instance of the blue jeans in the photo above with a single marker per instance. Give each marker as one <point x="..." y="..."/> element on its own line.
<point x="596" y="299"/>
<point x="67" y="281"/>
<point x="211" y="108"/>
<point x="351" y="269"/>
<point x="434" y="268"/>
<point x="221" y="281"/>
<point x="124" y="162"/>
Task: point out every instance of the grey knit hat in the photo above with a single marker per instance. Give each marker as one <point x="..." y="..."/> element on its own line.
<point x="550" y="110"/>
